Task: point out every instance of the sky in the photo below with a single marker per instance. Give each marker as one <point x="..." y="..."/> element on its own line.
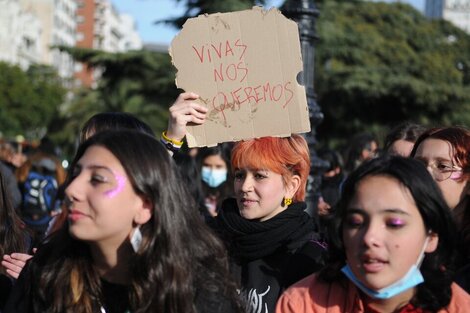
<point x="146" y="12"/>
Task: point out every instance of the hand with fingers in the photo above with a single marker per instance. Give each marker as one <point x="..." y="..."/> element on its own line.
<point x="184" y="111"/>
<point x="14" y="263"/>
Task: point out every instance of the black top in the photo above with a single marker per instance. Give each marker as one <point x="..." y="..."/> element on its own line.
<point x="6" y="283"/>
<point x="267" y="257"/>
<point x="115" y="298"/>
<point x="463" y="278"/>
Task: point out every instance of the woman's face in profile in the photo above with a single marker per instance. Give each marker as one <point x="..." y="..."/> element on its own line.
<point x="104" y="206"/>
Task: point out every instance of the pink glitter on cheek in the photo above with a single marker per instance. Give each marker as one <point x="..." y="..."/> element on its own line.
<point x="121" y="182"/>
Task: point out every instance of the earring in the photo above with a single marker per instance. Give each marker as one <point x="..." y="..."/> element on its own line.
<point x="287" y="201"/>
<point x="136" y="239"/>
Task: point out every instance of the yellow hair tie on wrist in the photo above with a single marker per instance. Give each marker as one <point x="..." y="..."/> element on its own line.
<point x="175" y="142"/>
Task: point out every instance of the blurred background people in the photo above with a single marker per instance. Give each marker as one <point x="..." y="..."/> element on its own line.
<point x="217" y="181"/>
<point x="401" y="139"/>
<point x="10" y="160"/>
<point x="191" y="176"/>
<point x="362" y="147"/>
<point x="40" y="178"/>
<point x="332" y="180"/>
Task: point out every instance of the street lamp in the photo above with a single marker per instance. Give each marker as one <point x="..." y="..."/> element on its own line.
<point x="305" y="13"/>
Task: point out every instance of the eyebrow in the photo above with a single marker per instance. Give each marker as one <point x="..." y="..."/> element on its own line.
<point x="440" y="159"/>
<point x="94" y="167"/>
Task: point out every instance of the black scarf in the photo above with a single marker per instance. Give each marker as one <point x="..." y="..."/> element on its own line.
<point x="252" y="239"/>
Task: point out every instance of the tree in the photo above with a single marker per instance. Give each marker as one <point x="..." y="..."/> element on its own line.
<point x="139" y="82"/>
<point x="378" y="64"/>
<point x="28" y="100"/>
<point x="197" y="7"/>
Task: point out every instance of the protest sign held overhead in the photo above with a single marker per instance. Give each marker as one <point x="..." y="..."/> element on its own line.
<point x="244" y="66"/>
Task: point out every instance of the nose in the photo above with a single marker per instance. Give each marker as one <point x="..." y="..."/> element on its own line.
<point x="72" y="190"/>
<point x="372" y="235"/>
<point x="247" y="184"/>
<point x="431" y="171"/>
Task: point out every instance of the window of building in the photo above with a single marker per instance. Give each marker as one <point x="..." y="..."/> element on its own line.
<point x="80" y="36"/>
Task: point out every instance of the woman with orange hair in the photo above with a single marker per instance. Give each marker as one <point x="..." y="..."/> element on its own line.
<point x="272" y="241"/>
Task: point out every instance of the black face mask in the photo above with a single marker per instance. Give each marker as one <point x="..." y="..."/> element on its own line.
<point x="332" y="179"/>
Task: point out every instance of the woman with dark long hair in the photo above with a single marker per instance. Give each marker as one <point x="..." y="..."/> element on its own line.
<point x="97" y="123"/>
<point x="392" y="246"/>
<point x="133" y="242"/>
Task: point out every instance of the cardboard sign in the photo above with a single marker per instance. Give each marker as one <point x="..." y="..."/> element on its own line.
<point x="244" y="66"/>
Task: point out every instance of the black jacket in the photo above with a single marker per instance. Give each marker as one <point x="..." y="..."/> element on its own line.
<point x="267" y="257"/>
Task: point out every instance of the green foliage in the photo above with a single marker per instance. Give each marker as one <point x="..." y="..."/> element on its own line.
<point x="379" y="64"/>
<point x="197" y="7"/>
<point x="28" y="100"/>
<point x="138" y="82"/>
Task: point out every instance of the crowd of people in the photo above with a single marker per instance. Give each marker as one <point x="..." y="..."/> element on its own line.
<point x="139" y="223"/>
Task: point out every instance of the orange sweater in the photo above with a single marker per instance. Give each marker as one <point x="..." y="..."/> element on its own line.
<point x="313" y="296"/>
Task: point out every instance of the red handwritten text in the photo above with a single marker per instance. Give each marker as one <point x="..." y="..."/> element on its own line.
<point x="231" y="72"/>
<point x="233" y="100"/>
<point x="207" y="52"/>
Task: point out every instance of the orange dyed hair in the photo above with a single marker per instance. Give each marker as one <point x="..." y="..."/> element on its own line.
<point x="285" y="156"/>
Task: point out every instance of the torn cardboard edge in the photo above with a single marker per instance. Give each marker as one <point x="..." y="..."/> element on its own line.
<point x="244" y="66"/>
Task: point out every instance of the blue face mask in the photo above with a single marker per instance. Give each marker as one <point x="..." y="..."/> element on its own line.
<point x="411" y="279"/>
<point x="215" y="177"/>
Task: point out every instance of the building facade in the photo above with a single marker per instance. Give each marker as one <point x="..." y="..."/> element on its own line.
<point x="20" y="33"/>
<point x="57" y="20"/>
<point x="455" y="11"/>
<point x="31" y="29"/>
<point x="100" y="26"/>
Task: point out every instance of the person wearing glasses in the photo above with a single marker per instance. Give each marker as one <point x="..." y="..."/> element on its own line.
<point x="446" y="153"/>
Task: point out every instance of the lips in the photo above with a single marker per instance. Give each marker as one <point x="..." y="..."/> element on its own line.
<point x="76" y="215"/>
<point x="372" y="264"/>
<point x="247" y="202"/>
